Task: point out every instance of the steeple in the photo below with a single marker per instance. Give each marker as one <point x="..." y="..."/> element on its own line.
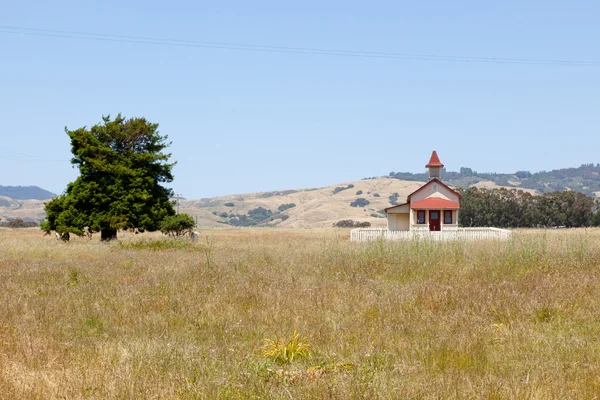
<point x="434" y="166"/>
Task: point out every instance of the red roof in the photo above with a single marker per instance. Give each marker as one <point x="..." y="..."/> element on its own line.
<point x="435" y="203"/>
<point x="434" y="161"/>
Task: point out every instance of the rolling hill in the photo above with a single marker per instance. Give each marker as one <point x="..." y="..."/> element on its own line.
<point x="312" y="208"/>
<point x="27" y="210"/>
<point x="322" y="207"/>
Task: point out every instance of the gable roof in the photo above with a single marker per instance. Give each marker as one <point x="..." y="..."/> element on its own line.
<point x="434" y="161"/>
<point x="436" y="180"/>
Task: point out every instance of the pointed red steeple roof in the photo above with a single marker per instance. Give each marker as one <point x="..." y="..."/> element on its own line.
<point x="434" y="161"/>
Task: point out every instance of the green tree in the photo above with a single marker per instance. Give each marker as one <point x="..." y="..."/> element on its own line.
<point x="177" y="225"/>
<point x="121" y="165"/>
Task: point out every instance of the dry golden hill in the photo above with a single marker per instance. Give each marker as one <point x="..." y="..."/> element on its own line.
<point x="28" y="210"/>
<point x="314" y="208"/>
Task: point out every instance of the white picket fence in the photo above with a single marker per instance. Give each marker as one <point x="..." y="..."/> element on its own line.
<point x="370" y="234"/>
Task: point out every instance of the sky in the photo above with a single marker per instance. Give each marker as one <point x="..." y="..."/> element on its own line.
<point x="247" y="121"/>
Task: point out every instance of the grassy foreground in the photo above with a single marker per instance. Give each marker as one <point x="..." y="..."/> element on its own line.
<point x="147" y="319"/>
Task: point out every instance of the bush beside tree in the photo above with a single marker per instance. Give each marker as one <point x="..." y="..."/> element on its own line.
<point x="177" y="225"/>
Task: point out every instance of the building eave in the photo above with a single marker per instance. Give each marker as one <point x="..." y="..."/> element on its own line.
<point x="396" y="206"/>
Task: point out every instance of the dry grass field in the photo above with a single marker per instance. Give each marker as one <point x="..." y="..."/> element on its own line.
<point x="145" y="318"/>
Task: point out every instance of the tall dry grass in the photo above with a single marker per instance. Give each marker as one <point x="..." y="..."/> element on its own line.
<point x="148" y="319"/>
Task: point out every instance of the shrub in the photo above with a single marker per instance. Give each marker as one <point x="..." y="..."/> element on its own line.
<point x="360" y="202"/>
<point x="376" y="195"/>
<point x="260" y="212"/>
<point x="229" y="204"/>
<point x="177" y="225"/>
<point x="340" y="188"/>
<point x="394" y="198"/>
<point x="348" y="223"/>
<point x="359" y="192"/>
<point x="287" y="206"/>
<point x="254" y="217"/>
<point x="223" y="215"/>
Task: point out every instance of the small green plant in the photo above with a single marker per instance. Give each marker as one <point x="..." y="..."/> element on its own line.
<point x="284" y="352"/>
<point x="208" y="247"/>
<point x="93" y="326"/>
<point x="229" y="204"/>
<point x="73" y="277"/>
<point x="545" y="314"/>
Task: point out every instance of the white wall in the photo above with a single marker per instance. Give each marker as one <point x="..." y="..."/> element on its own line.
<point x="398" y="222"/>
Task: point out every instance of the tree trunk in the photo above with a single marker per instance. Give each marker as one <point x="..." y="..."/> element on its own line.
<point x="108" y="234"/>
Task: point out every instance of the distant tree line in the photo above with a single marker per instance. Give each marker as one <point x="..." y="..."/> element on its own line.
<point x="18" y="223"/>
<point x="514" y="208"/>
<point x="585" y="179"/>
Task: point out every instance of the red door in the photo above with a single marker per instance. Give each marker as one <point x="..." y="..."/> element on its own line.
<point x="434" y="220"/>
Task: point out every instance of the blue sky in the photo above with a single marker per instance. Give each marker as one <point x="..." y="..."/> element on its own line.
<point x="243" y="121"/>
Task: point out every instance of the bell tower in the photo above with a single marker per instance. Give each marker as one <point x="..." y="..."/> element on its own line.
<point x="434" y="166"/>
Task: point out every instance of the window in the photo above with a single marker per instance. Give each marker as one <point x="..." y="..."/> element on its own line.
<point x="434" y="215"/>
<point x="420" y="217"/>
<point x="447" y="217"/>
<point x="435" y="187"/>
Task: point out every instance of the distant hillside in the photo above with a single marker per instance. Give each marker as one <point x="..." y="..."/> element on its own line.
<point x="27" y="210"/>
<point x="361" y="201"/>
<point x="25" y="193"/>
<point x="585" y="179"/>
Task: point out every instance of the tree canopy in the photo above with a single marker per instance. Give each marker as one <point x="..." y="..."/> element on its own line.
<point x="517" y="208"/>
<point x="122" y="165"/>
